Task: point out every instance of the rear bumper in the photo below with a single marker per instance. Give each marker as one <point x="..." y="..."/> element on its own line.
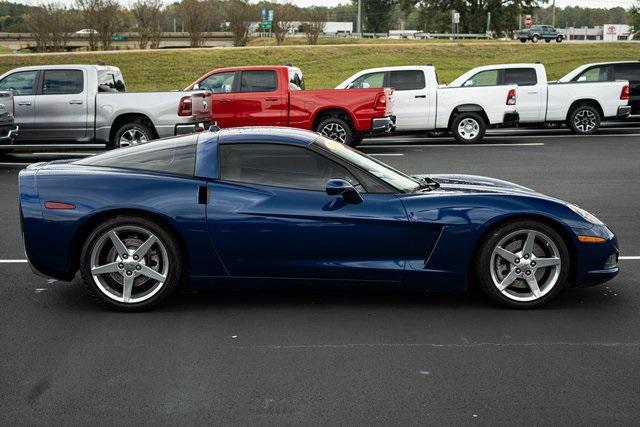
<point x="623" y="111"/>
<point x="511" y="118"/>
<point x="384" y="124"/>
<point x="187" y="128"/>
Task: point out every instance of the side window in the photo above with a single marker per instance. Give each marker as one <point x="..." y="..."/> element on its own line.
<point x="484" y="78"/>
<point x="593" y="74"/>
<point x="407" y="80"/>
<point x="219" y="83"/>
<point x="20" y="83"/>
<point x="60" y="82"/>
<point x="630" y="72"/>
<point x="371" y="80"/>
<point x="520" y="76"/>
<point x="259" y="81"/>
<point x="279" y="166"/>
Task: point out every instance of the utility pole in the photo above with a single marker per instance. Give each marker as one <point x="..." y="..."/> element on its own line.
<point x="488" y="22"/>
<point x="553" y="14"/>
<point x="359" y="23"/>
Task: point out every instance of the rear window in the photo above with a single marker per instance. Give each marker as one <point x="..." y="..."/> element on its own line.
<point x="172" y="155"/>
<point x="407" y="80"/>
<point x="110" y="81"/>
<point x="258" y="81"/>
<point x="629" y="72"/>
<point x="520" y="76"/>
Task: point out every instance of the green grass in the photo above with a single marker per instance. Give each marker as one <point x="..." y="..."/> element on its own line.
<point x="326" y="66"/>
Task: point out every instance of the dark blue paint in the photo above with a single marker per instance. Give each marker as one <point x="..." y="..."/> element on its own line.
<point x="423" y="240"/>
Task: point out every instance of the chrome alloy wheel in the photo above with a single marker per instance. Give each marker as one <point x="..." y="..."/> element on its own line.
<point x="468" y="128"/>
<point x="334" y="131"/>
<point x="585" y="120"/>
<point x="132" y="136"/>
<point x="525" y="265"/>
<point x="129" y="264"/>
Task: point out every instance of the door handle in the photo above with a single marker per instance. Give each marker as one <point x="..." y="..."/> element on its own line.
<point x="271" y="99"/>
<point x="76" y="101"/>
<point x="24" y="103"/>
<point x="532" y="92"/>
<point x="225" y="100"/>
<point x="420" y="96"/>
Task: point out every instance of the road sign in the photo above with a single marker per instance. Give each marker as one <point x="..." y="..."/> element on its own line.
<point x="456" y="17"/>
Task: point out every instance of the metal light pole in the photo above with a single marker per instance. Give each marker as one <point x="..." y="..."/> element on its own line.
<point x="359" y="22"/>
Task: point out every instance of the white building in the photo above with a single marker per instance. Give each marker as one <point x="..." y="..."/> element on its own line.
<point x="607" y="33"/>
<point x="330" y="27"/>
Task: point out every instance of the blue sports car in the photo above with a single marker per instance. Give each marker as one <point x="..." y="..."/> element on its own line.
<point x="278" y="205"/>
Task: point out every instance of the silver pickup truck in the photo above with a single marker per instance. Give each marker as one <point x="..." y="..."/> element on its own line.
<point x="86" y="105"/>
<point x="8" y="128"/>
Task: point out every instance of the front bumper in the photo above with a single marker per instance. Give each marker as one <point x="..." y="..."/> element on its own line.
<point x="8" y="134"/>
<point x="384" y="124"/>
<point x="511" y="118"/>
<point x="597" y="262"/>
<point x="623" y="111"/>
<point x="187" y="128"/>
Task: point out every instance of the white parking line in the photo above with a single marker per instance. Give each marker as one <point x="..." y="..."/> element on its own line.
<point x="630" y="257"/>
<point x="386" y="154"/>
<point x="525" y="144"/>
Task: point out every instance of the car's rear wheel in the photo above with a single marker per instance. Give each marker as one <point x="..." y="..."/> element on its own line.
<point x="559" y="39"/>
<point x="131" y="263"/>
<point x="535" y="39"/>
<point x="132" y="134"/>
<point x="468" y="128"/>
<point x="523" y="40"/>
<point x="547" y="40"/>
<point x="584" y="120"/>
<point x="337" y="129"/>
<point x="523" y="264"/>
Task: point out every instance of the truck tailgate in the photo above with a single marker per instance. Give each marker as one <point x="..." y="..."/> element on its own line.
<point x="201" y="106"/>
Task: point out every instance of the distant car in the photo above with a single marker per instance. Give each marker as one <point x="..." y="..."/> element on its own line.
<point x="86" y="31"/>
<point x="279" y="205"/>
<point x="540" y="32"/>
<point x="610" y="71"/>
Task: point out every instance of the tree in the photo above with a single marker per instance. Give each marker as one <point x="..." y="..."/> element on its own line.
<point x="50" y="25"/>
<point x="283" y="21"/>
<point x="239" y="16"/>
<point x="194" y="17"/>
<point x="103" y="16"/>
<point x="377" y="15"/>
<point x="634" y="15"/>
<point x="316" y="18"/>
<point x="149" y="16"/>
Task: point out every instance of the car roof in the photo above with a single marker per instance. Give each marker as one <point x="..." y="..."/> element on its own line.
<point x="64" y="67"/>
<point x="252" y="67"/>
<point x="267" y="134"/>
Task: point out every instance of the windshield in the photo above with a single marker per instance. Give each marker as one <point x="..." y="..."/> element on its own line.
<point x="393" y="177"/>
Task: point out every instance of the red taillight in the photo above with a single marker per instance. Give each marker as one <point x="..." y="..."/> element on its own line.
<point x="624" y="94"/>
<point x="185" y="106"/>
<point x="511" y="97"/>
<point x="381" y="102"/>
<point x="58" y="205"/>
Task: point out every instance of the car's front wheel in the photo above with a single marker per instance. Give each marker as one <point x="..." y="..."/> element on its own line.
<point x="559" y="39"/>
<point x="584" y="120"/>
<point x="131" y="263"/>
<point x="523" y="264"/>
<point x="535" y="39"/>
<point x="468" y="128"/>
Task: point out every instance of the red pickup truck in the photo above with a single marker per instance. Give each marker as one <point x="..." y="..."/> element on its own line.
<point x="275" y="96"/>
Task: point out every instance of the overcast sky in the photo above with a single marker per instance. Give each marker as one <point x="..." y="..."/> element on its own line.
<point x="559" y="3"/>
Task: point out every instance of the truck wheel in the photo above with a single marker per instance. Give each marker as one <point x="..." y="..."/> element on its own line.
<point x="523" y="40"/>
<point x="584" y="120"/>
<point x="559" y="39"/>
<point x="547" y="40"/>
<point x="356" y="140"/>
<point x="535" y="38"/>
<point x="468" y="128"/>
<point x="337" y="129"/>
<point x="132" y="134"/>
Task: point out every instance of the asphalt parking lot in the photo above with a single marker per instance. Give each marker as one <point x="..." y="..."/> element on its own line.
<point x="345" y="357"/>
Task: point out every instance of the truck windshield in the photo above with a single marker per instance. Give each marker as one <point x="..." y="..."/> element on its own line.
<point x="393" y="177"/>
<point x="110" y="81"/>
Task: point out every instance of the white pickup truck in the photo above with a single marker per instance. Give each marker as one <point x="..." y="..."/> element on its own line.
<point x="420" y="103"/>
<point x="581" y="106"/>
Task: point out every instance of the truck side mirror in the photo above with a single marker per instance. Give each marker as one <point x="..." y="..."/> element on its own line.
<point x="196" y="87"/>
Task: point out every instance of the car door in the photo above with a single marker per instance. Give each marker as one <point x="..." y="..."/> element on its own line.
<point x="410" y="103"/>
<point x="260" y="102"/>
<point x="222" y="87"/>
<point x="530" y="94"/>
<point x="269" y="216"/>
<point x="61" y="106"/>
<point x="23" y="85"/>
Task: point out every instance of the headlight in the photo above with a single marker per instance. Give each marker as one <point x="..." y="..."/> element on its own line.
<point x="584" y="214"/>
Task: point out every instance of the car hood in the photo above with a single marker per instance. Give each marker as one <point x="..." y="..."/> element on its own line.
<point x="477" y="184"/>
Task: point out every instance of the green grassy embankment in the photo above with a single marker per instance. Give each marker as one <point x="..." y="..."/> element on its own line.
<point x="325" y="66"/>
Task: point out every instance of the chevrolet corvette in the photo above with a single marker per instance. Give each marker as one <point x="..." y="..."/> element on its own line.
<point x="276" y="205"/>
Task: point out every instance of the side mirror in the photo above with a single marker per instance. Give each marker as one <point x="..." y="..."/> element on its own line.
<point x="582" y="78"/>
<point x="343" y="188"/>
<point x="196" y="87"/>
<point x="468" y="83"/>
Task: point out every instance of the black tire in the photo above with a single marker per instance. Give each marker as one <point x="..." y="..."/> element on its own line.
<point x="174" y="274"/>
<point x="356" y="140"/>
<point x="457" y="133"/>
<point x="137" y="126"/>
<point x="337" y="129"/>
<point x="483" y="264"/>
<point x="559" y="39"/>
<point x="584" y="120"/>
<point x="535" y="38"/>
<point x="523" y="40"/>
<point x="547" y="40"/>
